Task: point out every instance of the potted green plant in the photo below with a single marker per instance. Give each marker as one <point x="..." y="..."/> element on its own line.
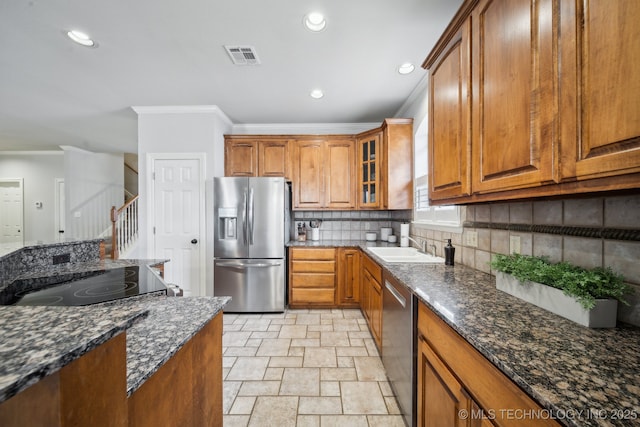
<point x="588" y="297"/>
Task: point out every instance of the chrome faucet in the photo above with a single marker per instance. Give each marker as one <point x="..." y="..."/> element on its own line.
<point x="433" y="248"/>
<point x="422" y="246"/>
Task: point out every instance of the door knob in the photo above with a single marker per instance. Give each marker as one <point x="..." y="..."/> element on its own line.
<point x="194" y="241"/>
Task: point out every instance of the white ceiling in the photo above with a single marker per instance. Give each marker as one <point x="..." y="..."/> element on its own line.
<point x="169" y="52"/>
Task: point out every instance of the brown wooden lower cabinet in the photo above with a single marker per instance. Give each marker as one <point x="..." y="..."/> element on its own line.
<point x="187" y="389"/>
<point x="312" y="277"/>
<point x="348" y="278"/>
<point x="458" y="386"/>
<point x="92" y="390"/>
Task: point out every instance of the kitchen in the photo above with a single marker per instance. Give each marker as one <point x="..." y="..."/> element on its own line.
<point x="590" y="224"/>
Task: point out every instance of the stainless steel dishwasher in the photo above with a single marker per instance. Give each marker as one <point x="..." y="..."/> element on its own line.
<point x="398" y="345"/>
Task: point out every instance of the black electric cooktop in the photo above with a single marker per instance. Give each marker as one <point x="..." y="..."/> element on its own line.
<point x="98" y="286"/>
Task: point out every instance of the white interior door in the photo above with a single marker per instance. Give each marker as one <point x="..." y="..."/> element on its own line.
<point x="11" y="213"/>
<point x="178" y="206"/>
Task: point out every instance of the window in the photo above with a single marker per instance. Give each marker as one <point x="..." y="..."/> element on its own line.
<point x="423" y="213"/>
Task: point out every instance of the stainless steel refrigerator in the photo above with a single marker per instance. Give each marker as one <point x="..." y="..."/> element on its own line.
<point x="252" y="221"/>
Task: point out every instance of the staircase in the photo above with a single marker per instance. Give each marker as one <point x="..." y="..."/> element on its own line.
<point x="124" y="227"/>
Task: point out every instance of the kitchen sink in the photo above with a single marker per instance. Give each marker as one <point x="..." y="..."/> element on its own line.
<point x="406" y="254"/>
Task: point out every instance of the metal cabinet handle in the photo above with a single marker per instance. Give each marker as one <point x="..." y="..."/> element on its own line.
<point x="243" y="265"/>
<point x="395" y="294"/>
<point x="194" y="241"/>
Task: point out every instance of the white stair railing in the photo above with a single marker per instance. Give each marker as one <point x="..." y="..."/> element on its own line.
<point x="124" y="227"/>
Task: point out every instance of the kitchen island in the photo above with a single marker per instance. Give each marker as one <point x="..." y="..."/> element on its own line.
<point x="109" y="360"/>
<point x="37" y="342"/>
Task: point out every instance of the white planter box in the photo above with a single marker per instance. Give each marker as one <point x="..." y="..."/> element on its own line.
<point x="603" y="315"/>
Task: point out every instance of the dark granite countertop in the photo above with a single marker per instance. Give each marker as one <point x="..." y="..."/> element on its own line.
<point x="38" y="341"/>
<point x="170" y="323"/>
<point x="81" y="267"/>
<point x="591" y="375"/>
<point x="6" y="250"/>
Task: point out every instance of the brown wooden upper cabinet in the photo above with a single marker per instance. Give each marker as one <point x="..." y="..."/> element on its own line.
<point x="512" y="111"/>
<point x="324" y="173"/>
<point x="531" y="98"/>
<point x="600" y="90"/>
<point x="248" y="155"/>
<point x="371" y="170"/>
<point x="385" y="166"/>
<point x="450" y="118"/>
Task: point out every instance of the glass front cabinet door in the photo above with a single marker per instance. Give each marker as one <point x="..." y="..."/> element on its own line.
<point x="370" y="152"/>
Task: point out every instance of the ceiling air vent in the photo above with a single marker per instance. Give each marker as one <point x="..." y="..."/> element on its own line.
<point x="243" y="55"/>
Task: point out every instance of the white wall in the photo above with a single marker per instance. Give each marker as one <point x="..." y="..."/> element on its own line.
<point x="39" y="170"/>
<point x="93" y="183"/>
<point x="196" y="129"/>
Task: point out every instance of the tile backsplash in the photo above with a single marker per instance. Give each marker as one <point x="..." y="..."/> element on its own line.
<point x="589" y="232"/>
<point x="353" y="225"/>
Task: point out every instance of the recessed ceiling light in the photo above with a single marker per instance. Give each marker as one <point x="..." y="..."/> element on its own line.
<point x="81" y="38"/>
<point x="406" y="68"/>
<point x="315" y="22"/>
<point x="316" y="94"/>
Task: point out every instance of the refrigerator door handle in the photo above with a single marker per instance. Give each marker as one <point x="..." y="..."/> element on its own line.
<point x="249" y="265"/>
<point x="244" y="217"/>
<point x="251" y="216"/>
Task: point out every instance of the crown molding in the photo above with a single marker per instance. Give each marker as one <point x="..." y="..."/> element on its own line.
<point x="182" y="109"/>
<point x="419" y="91"/>
<point x="301" y="128"/>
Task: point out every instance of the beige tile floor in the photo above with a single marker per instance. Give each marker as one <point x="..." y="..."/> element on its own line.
<point x="304" y="368"/>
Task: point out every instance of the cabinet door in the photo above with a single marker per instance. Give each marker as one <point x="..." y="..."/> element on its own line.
<point x="599" y="88"/>
<point x="514" y="142"/>
<point x="441" y="398"/>
<point x="375" y="302"/>
<point x="273" y="158"/>
<point x="240" y="158"/>
<point x="365" y="294"/>
<point x="340" y="174"/>
<point x="396" y="171"/>
<point x="308" y="183"/>
<point x="348" y="277"/>
<point x="369" y="160"/>
<point x="450" y="119"/>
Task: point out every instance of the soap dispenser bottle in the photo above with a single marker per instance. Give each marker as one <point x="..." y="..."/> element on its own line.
<point x="449" y="253"/>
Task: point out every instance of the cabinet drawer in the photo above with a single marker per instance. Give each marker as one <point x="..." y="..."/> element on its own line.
<point x="313" y="266"/>
<point x="320" y="254"/>
<point x="313" y="281"/>
<point x="312" y="296"/>
<point x="373" y="268"/>
<point x="488" y="386"/>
